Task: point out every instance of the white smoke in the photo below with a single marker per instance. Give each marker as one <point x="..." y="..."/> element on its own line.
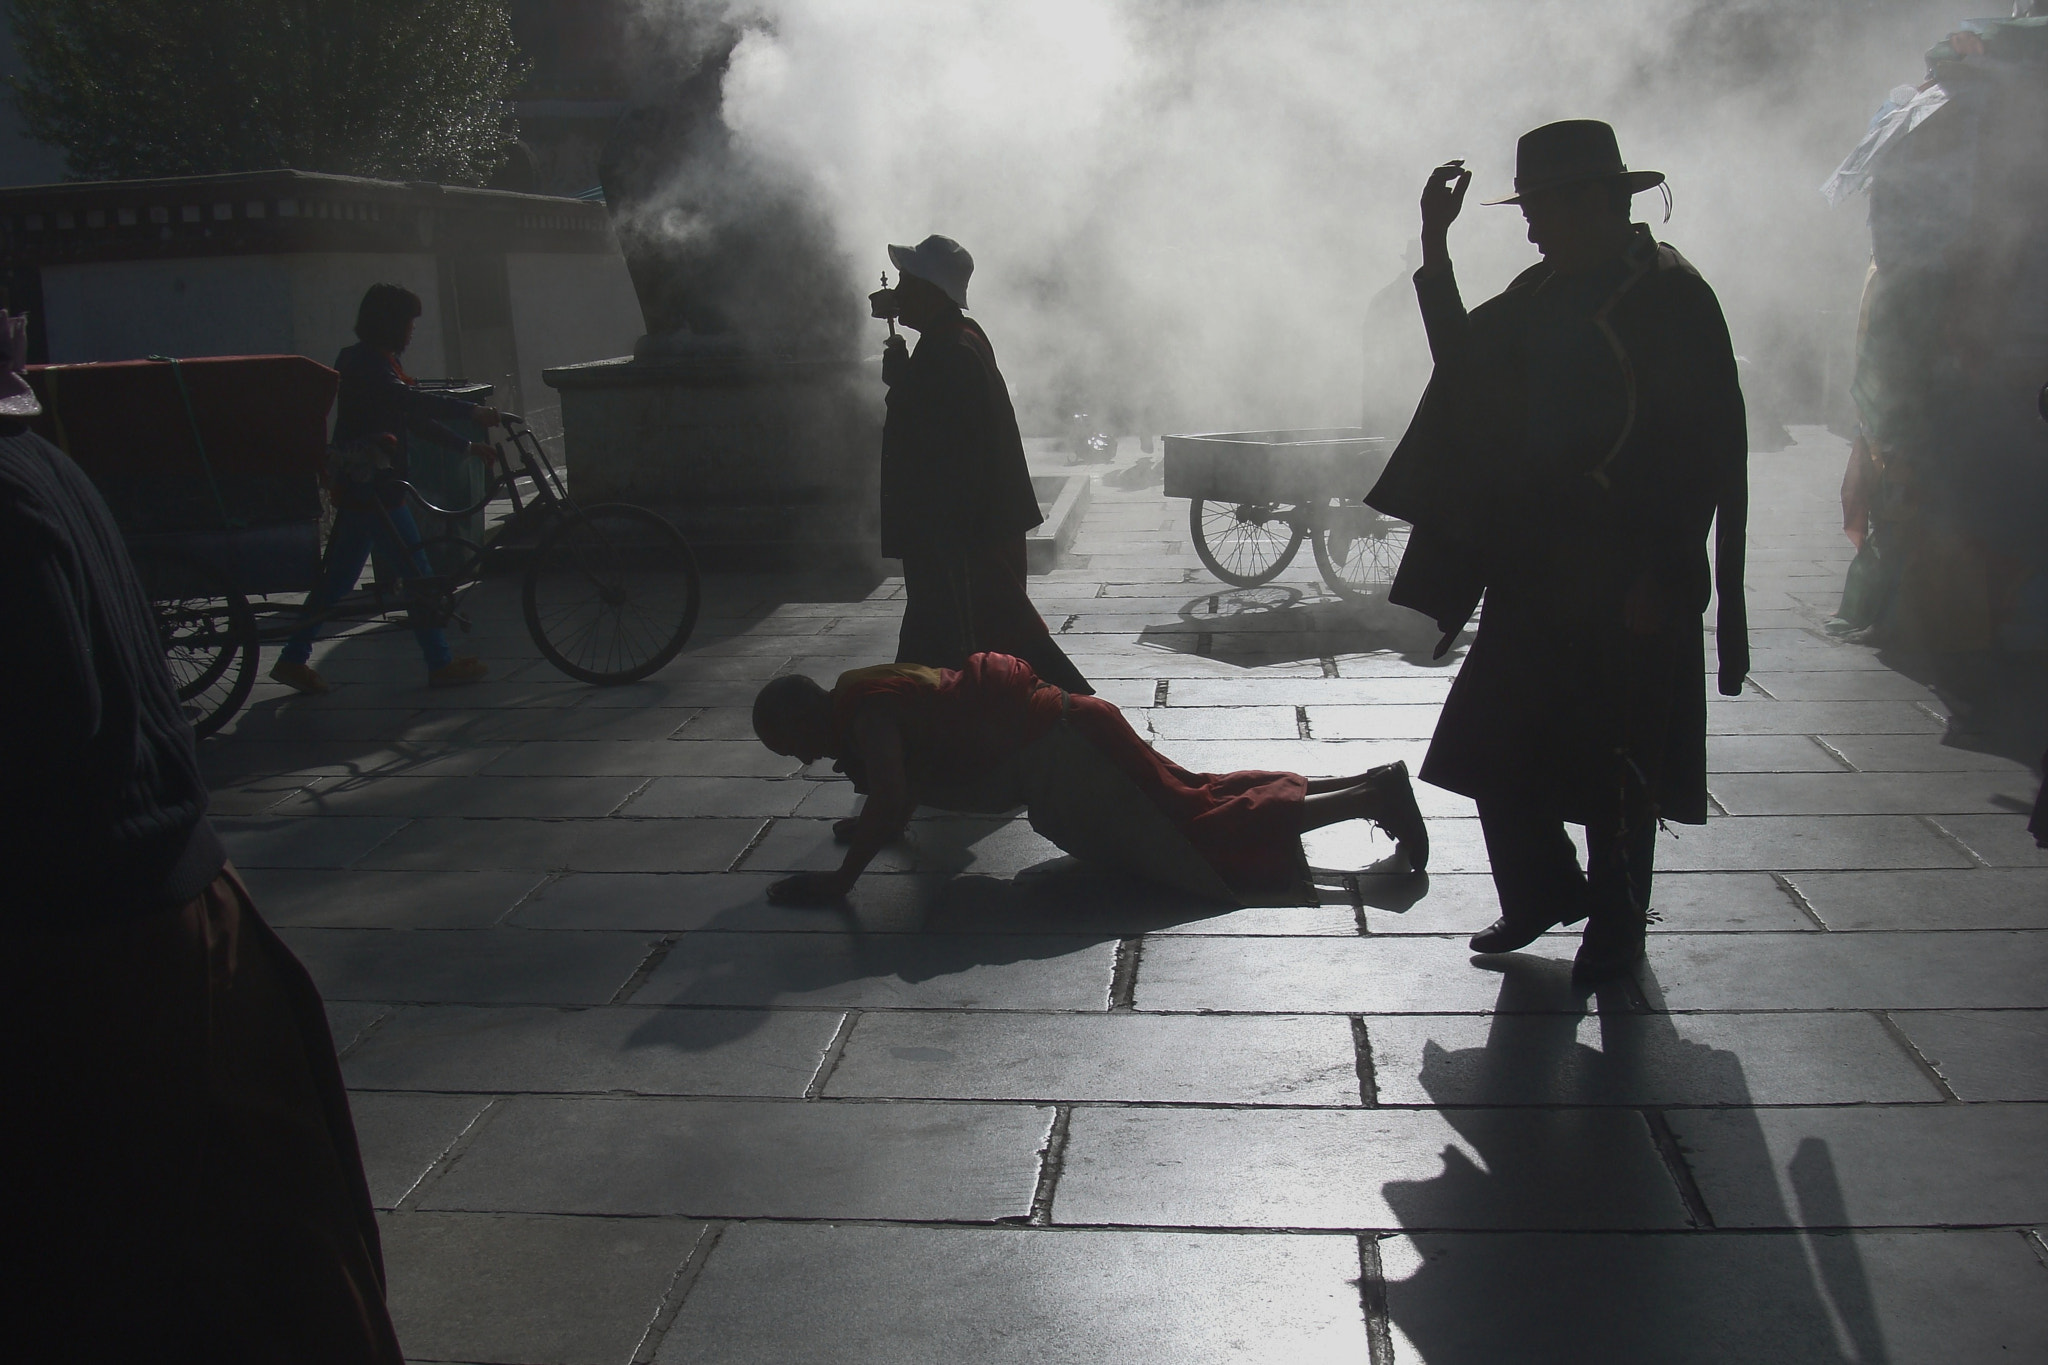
<point x="1187" y="206"/>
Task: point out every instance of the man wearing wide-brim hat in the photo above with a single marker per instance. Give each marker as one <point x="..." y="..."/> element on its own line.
<point x="1581" y="433"/>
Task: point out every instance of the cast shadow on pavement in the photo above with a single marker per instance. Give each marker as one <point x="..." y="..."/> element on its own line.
<point x="1253" y="627"/>
<point x="1458" y="1293"/>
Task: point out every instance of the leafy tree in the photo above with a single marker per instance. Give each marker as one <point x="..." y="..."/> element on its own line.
<point x="400" y="89"/>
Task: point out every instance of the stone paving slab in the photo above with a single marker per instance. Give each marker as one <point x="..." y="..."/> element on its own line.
<point x="641" y="758"/>
<point x="336" y="842"/>
<point x="1884" y="971"/>
<point x="1983" y="1054"/>
<point x="1184" y="1059"/>
<point x="1375" y="975"/>
<point x="1996" y="840"/>
<point x="2009" y="898"/>
<point x="890" y="971"/>
<point x="1617" y="1058"/>
<point x="1416" y="1168"/>
<point x="481" y="966"/>
<point x="1690" y="902"/>
<point x="1924" y="1166"/>
<point x="626" y="1050"/>
<point x="722" y="797"/>
<point x="526" y="1290"/>
<point x="1912" y="754"/>
<point x="749" y="1159"/>
<point x="564" y="845"/>
<point x="1786" y="1298"/>
<point x="462" y="796"/>
<point x="387" y="900"/>
<point x="1872" y="793"/>
<point x="1021" y="1297"/>
<point x="403" y="1136"/>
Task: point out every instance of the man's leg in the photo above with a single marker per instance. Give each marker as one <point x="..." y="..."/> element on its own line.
<point x="433" y="641"/>
<point x="348" y="549"/>
<point x="935" y="629"/>
<point x="1535" y="873"/>
<point x="1619" y="865"/>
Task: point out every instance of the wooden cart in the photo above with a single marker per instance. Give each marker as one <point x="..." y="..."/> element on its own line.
<point x="1254" y="496"/>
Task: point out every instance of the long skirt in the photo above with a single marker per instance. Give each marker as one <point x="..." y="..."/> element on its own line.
<point x="959" y="605"/>
<point x="184" y="1183"/>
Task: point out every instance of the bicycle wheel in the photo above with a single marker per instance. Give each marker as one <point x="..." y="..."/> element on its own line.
<point x="612" y="594"/>
<point x="1358" y="550"/>
<point x="1246" y="543"/>
<point x="208" y="631"/>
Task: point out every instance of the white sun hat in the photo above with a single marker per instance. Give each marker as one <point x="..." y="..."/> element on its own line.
<point x="937" y="260"/>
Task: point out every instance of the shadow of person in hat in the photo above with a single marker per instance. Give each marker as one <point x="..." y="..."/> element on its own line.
<point x="957" y="496"/>
<point x="1579" y="435"/>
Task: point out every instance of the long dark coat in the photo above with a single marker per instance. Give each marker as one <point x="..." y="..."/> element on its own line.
<point x="1555" y="690"/>
<point x="953" y="472"/>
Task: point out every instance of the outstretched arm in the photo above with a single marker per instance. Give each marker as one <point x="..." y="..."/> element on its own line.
<point x="878" y="743"/>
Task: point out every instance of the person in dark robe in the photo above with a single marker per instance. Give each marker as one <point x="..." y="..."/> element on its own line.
<point x="1580" y="434"/>
<point x="992" y="737"/>
<point x="184" y="1183"/>
<point x="956" y="493"/>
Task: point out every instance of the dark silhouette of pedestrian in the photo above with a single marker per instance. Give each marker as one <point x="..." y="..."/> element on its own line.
<point x="956" y="492"/>
<point x="184" y="1184"/>
<point x="1580" y="434"/>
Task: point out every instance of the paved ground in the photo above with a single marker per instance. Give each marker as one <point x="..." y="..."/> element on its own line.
<point x="619" y="1109"/>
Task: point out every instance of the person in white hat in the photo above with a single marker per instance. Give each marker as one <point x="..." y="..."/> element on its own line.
<point x="956" y="493"/>
<point x="1579" y="435"/>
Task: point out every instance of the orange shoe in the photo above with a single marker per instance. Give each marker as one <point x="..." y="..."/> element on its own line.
<point x="299" y="677"/>
<point x="458" y="671"/>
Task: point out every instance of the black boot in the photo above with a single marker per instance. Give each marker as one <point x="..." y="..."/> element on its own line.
<point x="1505" y="935"/>
<point x="1612" y="946"/>
<point x="1399" y="816"/>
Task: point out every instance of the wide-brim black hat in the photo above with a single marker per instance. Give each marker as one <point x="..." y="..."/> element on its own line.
<point x="1571" y="153"/>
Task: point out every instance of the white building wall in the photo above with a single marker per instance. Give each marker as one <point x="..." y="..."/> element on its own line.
<point x="230" y="305"/>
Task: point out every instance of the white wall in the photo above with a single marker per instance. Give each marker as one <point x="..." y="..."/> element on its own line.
<point x="230" y="305"/>
<point x="567" y="308"/>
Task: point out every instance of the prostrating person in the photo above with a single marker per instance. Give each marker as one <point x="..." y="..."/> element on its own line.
<point x="956" y="493"/>
<point x="1580" y="434"/>
<point x="184" y="1184"/>
<point x="992" y="737"/>
<point x="375" y="408"/>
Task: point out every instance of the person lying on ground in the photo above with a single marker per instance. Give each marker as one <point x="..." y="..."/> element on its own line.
<point x="993" y="736"/>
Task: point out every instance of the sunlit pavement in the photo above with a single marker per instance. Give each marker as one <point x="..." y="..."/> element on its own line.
<point x="618" y="1108"/>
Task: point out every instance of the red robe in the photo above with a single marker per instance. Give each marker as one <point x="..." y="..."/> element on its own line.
<point x="959" y="723"/>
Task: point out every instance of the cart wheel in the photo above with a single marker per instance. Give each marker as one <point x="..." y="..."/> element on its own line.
<point x="1246" y="543"/>
<point x="208" y="631"/>
<point x="612" y="595"/>
<point x="1357" y="549"/>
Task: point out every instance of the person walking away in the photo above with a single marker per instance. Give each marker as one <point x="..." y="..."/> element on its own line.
<point x="956" y="492"/>
<point x="185" y="1184"/>
<point x="376" y="406"/>
<point x="1579" y="435"/>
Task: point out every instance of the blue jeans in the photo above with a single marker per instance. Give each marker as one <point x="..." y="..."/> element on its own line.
<point x="355" y="533"/>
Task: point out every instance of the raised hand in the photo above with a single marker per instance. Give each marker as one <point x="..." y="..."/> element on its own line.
<point x="1443" y="197"/>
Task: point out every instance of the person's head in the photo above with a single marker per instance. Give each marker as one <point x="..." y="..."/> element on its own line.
<point x="384" y="318"/>
<point x="793" y="717"/>
<point x="932" y="289"/>
<point x="1579" y="225"/>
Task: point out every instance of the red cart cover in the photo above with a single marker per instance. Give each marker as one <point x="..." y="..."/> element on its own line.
<point x="242" y="437"/>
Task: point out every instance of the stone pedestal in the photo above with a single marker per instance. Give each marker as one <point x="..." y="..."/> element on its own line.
<point x="762" y="463"/>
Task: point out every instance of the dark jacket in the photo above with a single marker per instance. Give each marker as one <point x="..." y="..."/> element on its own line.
<point x="1555" y="540"/>
<point x="375" y="398"/>
<point x="953" y="471"/>
<point x="102" y="808"/>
